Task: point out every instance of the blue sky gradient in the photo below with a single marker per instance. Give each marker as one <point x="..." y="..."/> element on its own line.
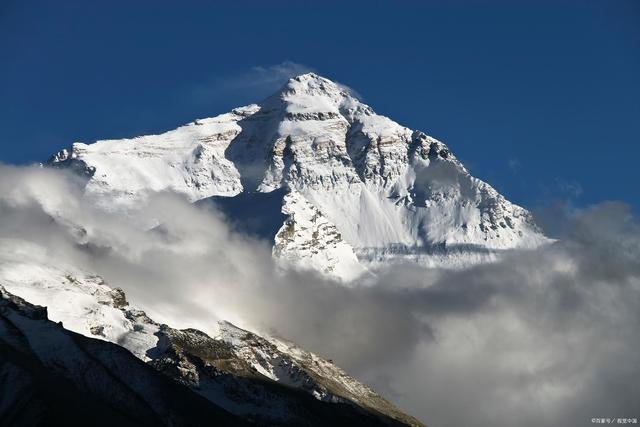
<point x="539" y="98"/>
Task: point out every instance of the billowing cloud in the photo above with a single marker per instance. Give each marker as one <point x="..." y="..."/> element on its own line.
<point x="544" y="337"/>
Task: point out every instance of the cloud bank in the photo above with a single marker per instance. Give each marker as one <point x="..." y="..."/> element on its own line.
<point x="545" y="337"/>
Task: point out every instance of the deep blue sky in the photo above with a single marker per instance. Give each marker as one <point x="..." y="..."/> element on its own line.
<point x="541" y="99"/>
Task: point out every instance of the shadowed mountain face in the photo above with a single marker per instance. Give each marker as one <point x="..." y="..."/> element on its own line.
<point x="257" y="214"/>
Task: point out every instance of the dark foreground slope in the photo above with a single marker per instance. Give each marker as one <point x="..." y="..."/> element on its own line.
<point x="51" y="376"/>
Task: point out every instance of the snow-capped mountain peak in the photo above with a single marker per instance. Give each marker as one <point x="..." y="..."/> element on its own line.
<point x="313" y="94"/>
<point x="389" y="191"/>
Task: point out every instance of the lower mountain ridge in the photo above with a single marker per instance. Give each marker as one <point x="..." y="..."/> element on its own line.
<point x="235" y="378"/>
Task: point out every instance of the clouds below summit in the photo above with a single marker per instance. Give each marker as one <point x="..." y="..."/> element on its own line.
<point x="545" y="337"/>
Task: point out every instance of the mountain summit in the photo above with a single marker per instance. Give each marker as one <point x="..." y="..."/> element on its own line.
<point x="357" y="187"/>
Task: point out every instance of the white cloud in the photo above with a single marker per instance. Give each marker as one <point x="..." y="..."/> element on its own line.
<point x="546" y="337"/>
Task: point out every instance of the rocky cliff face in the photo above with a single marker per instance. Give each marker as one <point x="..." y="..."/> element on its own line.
<point x="389" y="192"/>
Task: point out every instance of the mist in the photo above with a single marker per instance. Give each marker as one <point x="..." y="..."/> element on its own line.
<point x="541" y="337"/>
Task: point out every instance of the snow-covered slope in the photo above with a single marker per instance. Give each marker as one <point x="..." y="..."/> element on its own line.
<point x="80" y="300"/>
<point x="389" y="191"/>
<point x="310" y="240"/>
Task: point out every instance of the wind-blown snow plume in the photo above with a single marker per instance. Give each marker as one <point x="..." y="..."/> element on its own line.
<point x="546" y="336"/>
<point x="260" y="80"/>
